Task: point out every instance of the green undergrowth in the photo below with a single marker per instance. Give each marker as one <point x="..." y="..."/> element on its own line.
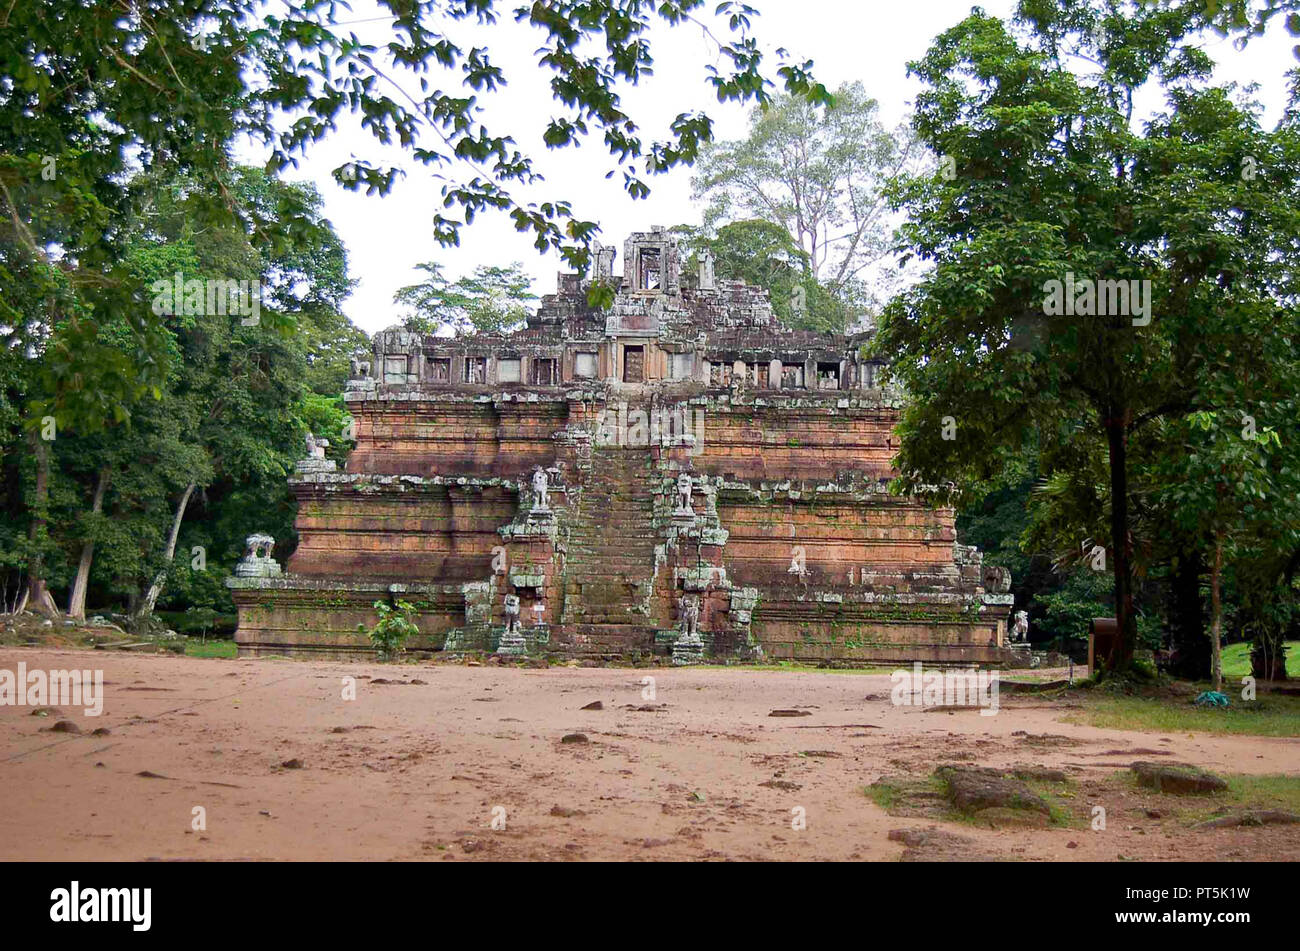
<point x="1174" y="712"/>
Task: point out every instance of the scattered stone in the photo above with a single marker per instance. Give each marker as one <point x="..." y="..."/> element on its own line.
<point x="783" y="784"/>
<point x="1138" y="752"/>
<point x="47" y="712"/>
<point x="1178" y="778"/>
<point x="1039" y="773"/>
<point x="973" y="790"/>
<point x="65" y="726"/>
<point x="1253" y="817"/>
<point x="790" y="713"/>
<point x="146" y="774"/>
<point x="998" y="817"/>
<point x="101" y="731"/>
<point x="562" y="813"/>
<point x="646" y="707"/>
<point x="932" y="844"/>
<point x="1154" y="814"/>
<point x="594" y="705"/>
<point x="294" y="763"/>
<point x="1072" y="845"/>
<point x="574" y="738"/>
<point x="820" y="754"/>
<point x="1045" y="739"/>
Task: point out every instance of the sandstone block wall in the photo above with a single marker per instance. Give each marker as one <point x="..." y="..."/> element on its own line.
<point x="793" y="548"/>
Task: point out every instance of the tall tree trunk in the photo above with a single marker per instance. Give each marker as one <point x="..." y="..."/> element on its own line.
<point x="1190" y="642"/>
<point x="36" y="595"/>
<point x="77" y="600"/>
<point x="1121" y="654"/>
<point x="155" y="589"/>
<point x="1216" y="613"/>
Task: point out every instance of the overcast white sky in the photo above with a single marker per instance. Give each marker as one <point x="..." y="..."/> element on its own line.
<point x="863" y="40"/>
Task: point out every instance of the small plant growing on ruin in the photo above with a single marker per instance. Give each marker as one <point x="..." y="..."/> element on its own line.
<point x="395" y="625"/>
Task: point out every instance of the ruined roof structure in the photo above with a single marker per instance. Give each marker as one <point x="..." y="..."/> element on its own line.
<point x="678" y="475"/>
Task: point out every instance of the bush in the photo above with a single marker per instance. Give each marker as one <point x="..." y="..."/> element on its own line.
<point x="395" y="625"/>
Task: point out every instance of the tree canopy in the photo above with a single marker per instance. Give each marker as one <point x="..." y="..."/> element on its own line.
<point x="1094" y="280"/>
<point x="820" y="175"/>
<point x="491" y="299"/>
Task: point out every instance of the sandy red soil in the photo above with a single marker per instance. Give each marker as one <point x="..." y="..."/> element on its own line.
<point x="414" y="770"/>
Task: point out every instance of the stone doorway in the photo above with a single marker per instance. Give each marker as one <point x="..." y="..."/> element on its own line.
<point x="634" y="364"/>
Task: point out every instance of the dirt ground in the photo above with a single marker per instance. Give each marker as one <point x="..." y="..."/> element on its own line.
<point x="426" y="756"/>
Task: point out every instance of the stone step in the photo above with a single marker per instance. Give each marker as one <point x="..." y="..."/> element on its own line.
<point x="640" y="551"/>
<point x="605" y="563"/>
<point x="600" y="565"/>
<point x="602" y="591"/>
<point x="614" y="635"/>
<point x="611" y="544"/>
<point x="636" y="526"/>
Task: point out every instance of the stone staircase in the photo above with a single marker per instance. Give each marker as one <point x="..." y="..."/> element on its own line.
<point x="610" y="559"/>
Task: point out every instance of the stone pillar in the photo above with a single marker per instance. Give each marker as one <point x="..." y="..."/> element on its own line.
<point x="706" y="270"/>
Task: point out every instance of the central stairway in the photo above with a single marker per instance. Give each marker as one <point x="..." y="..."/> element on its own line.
<point x="610" y="559"/>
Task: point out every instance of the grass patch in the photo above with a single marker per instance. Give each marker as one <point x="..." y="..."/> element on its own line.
<point x="1061" y="813"/>
<point x="214" y="648"/>
<point x="889" y="793"/>
<point x="1244" y="793"/>
<point x="1266" y="792"/>
<point x="927" y="798"/>
<point x="1275" y="715"/>
<point x="1236" y="660"/>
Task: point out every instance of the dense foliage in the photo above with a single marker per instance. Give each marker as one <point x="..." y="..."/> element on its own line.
<point x="1162" y="421"/>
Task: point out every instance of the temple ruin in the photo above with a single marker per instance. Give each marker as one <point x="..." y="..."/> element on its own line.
<point x="677" y="475"/>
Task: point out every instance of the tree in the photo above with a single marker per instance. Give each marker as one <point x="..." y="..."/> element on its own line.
<point x="1022" y="333"/>
<point x="223" y="424"/>
<point x="1249" y="18"/>
<point x="243" y="382"/>
<point x="94" y="93"/>
<point x="763" y="254"/>
<point x="817" y="173"/>
<point x="490" y="300"/>
<point x="181" y="79"/>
